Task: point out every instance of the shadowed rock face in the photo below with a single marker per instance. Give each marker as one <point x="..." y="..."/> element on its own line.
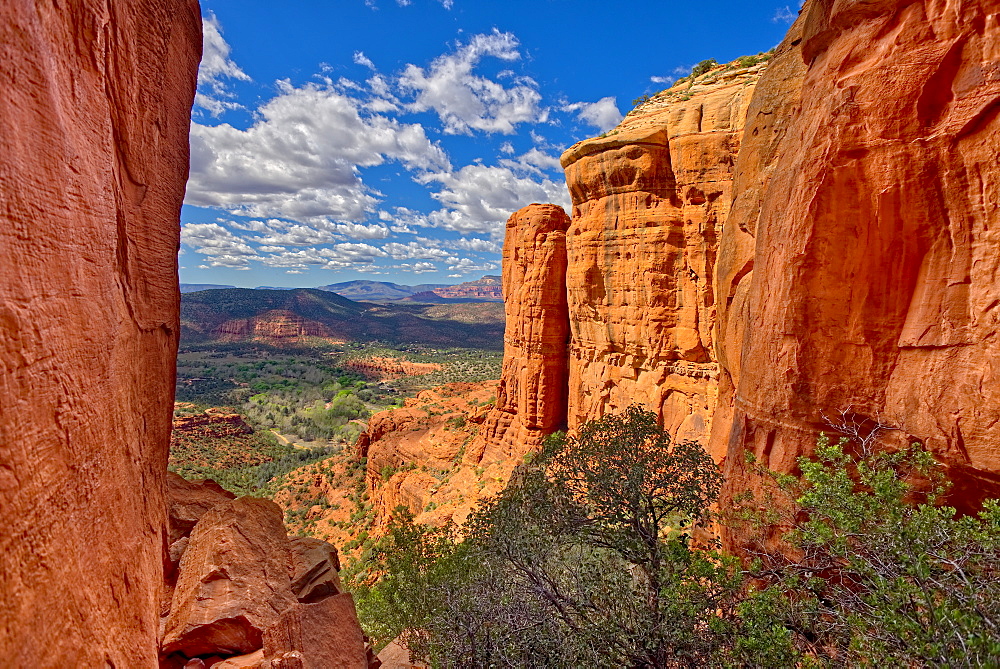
<point x="859" y="270"/>
<point x="95" y="105"/>
<point x="649" y="202"/>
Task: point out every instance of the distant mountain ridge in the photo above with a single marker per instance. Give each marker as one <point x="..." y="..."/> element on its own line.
<point x="377" y="290"/>
<point x="195" y="287"/>
<point x="486" y="289"/>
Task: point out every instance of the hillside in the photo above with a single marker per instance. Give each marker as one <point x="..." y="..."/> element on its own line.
<point x="304" y="314"/>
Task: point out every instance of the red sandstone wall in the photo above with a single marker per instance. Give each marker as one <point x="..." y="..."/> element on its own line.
<point x="860" y="269"/>
<point x="650" y="199"/>
<point x="94" y="102"/>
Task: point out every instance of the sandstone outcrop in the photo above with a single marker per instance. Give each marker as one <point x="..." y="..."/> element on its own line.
<point x="650" y="199"/>
<point x="531" y="395"/>
<point x="860" y="272"/>
<point x="388" y="369"/>
<point x="420" y="456"/>
<point x="277" y="327"/>
<point x="233" y="581"/>
<point x="451" y="451"/>
<point x="248" y="596"/>
<point x="95" y="103"/>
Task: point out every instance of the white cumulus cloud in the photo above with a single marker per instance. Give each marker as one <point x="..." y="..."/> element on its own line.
<point x="602" y="114"/>
<point x="300" y="159"/>
<point x="465" y="101"/>
<point x="216" y="69"/>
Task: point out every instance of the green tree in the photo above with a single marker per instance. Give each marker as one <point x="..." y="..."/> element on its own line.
<point x="585" y="560"/>
<point x="883" y="573"/>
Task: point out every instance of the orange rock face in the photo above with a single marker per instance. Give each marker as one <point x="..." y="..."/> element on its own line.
<point x="277" y="326"/>
<point x="421" y="456"/>
<point x="531" y="396"/>
<point x="387" y="369"/>
<point x="860" y="269"/>
<point x="93" y="160"/>
<point x="649" y="202"/>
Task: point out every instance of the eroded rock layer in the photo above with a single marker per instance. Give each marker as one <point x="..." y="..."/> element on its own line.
<point x="95" y="106"/>
<point x="859" y="274"/>
<point x="444" y="451"/>
<point x="649" y="201"/>
<point x="532" y="393"/>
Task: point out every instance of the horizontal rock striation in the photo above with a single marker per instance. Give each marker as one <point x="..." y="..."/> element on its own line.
<point x="532" y="393"/>
<point x="95" y="108"/>
<point x="649" y="202"/>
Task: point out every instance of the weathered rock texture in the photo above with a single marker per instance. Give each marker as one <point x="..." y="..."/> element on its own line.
<point x="279" y="326"/>
<point x="449" y="450"/>
<point x="421" y="456"/>
<point x="95" y="102"/>
<point x="649" y="202"/>
<point x="531" y="395"/>
<point x="243" y="592"/>
<point x="860" y="269"/>
<point x="387" y="369"/>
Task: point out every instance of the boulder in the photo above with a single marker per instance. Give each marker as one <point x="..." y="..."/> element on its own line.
<point x="315" y="569"/>
<point x="189" y="500"/>
<point x="233" y="582"/>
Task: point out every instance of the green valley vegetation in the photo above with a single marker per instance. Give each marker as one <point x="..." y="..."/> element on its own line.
<point x="305" y="403"/>
<point x="596" y="555"/>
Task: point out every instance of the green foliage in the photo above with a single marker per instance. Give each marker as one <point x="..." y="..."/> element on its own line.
<point x="641" y="100"/>
<point x="588" y="559"/>
<point x="906" y="581"/>
<point x="703" y="67"/>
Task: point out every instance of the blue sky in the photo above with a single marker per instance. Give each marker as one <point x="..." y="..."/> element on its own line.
<point x="390" y="139"/>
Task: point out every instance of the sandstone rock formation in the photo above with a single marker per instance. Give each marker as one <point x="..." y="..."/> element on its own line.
<point x="420" y="456"/>
<point x="530" y="399"/>
<point x="248" y="596"/>
<point x="96" y="106"/>
<point x="278" y="326"/>
<point x="650" y="199"/>
<point x="860" y="271"/>
<point x="531" y="395"/>
<point x="387" y="369"/>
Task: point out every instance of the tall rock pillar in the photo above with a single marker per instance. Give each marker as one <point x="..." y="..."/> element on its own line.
<point x="532" y="395"/>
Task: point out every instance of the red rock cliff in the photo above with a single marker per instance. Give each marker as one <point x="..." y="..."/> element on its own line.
<point x="859" y="270"/>
<point x="649" y="202"/>
<point x="95" y="105"/>
<point x="532" y="394"/>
